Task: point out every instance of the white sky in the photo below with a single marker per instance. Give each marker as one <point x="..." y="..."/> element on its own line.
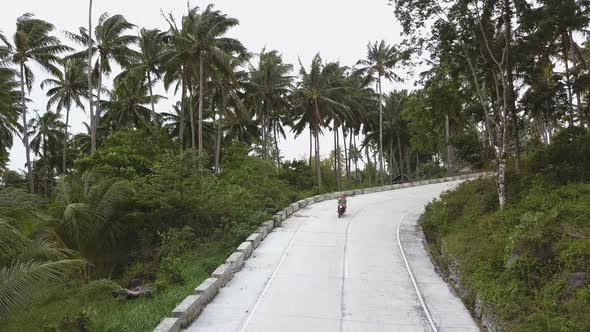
<point x="338" y="29"/>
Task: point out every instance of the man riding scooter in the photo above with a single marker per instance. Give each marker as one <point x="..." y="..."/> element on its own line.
<point x="341" y="205"/>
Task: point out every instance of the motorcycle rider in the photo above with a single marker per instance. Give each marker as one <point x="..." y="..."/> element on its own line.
<point x="342" y="201"/>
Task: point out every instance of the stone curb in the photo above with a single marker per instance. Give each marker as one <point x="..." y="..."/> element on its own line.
<point x="246" y="248"/>
<point x="236" y="260"/>
<point x="255" y="239"/>
<point x="190" y="308"/>
<point x="208" y="289"/>
<point x="168" y="325"/>
<point x="223" y="273"/>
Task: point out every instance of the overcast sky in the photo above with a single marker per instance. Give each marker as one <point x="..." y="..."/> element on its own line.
<point x="338" y="29"/>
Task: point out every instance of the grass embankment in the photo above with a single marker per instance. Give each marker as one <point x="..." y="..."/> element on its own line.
<point x="531" y="261"/>
<point x="76" y="306"/>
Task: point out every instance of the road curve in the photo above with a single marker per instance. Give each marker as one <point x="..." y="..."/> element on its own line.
<point x="321" y="273"/>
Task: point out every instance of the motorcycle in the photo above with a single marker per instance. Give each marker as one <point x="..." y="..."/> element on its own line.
<point x="341" y="210"/>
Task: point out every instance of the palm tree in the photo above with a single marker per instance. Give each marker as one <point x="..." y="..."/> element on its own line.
<point x="9" y="109"/>
<point x="32" y="42"/>
<point x="381" y="59"/>
<point x="26" y="265"/>
<point x="226" y="95"/>
<point x="269" y="86"/>
<point x="67" y="89"/>
<point x="89" y="73"/>
<point x="314" y="92"/>
<point x="128" y="103"/>
<point x="151" y="48"/>
<point x="92" y="209"/>
<point x="46" y="134"/>
<point x="200" y="38"/>
<point x="111" y="44"/>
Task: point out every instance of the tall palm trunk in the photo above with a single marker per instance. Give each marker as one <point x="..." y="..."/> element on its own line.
<point x="98" y="94"/>
<point x="368" y="166"/>
<point x="310" y="145"/>
<point x="192" y="115"/>
<point x="218" y="146"/>
<point x="276" y="142"/>
<point x="380" y="132"/>
<point x="265" y="127"/>
<point x="570" y="106"/>
<point x="317" y="145"/>
<point x="201" y="92"/>
<point x="356" y="156"/>
<point x="219" y="135"/>
<point x="448" y="143"/>
<point x="91" y="104"/>
<point x="392" y="164"/>
<point x="408" y="163"/>
<point x="154" y="115"/>
<point x="346" y="160"/>
<point x="64" y="156"/>
<point x="338" y="170"/>
<point x="401" y="159"/>
<point x="25" y="129"/>
<point x="182" y="113"/>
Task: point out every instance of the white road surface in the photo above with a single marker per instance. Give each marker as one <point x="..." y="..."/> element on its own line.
<point x="321" y="273"/>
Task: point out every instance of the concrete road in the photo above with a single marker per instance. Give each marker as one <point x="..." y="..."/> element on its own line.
<point x="321" y="273"/>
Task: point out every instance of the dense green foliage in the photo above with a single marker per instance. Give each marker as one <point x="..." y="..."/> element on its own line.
<point x="531" y="261"/>
<point x="141" y="192"/>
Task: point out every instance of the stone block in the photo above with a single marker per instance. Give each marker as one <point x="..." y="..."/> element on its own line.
<point x="208" y="289"/>
<point x="236" y="260"/>
<point x="289" y="211"/>
<point x="269" y="225"/>
<point x="262" y="231"/>
<point x="168" y="325"/>
<point x="246" y="248"/>
<point x="223" y="273"/>
<point x="295" y="207"/>
<point x="278" y="219"/>
<point x="188" y="310"/>
<point x="256" y="238"/>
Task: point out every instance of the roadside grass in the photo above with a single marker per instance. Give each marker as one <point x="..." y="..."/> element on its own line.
<point x="520" y="260"/>
<point x="65" y="307"/>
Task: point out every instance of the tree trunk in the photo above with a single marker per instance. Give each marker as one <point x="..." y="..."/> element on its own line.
<point x="192" y="115"/>
<point x="448" y="143"/>
<point x="511" y="94"/>
<point x="25" y="130"/>
<point x="64" y="156"/>
<point x="570" y="106"/>
<point x="356" y="157"/>
<point x="154" y="115"/>
<point x="310" y="145"/>
<point x="317" y="145"/>
<point x="392" y="163"/>
<point x="201" y="96"/>
<point x="181" y="115"/>
<point x="380" y="132"/>
<point x="368" y="166"/>
<point x="90" y="98"/>
<point x="408" y="163"/>
<point x="97" y="110"/>
<point x="219" y="135"/>
<point x="401" y="159"/>
<point x="276" y="142"/>
<point x="337" y="157"/>
<point x="346" y="160"/>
